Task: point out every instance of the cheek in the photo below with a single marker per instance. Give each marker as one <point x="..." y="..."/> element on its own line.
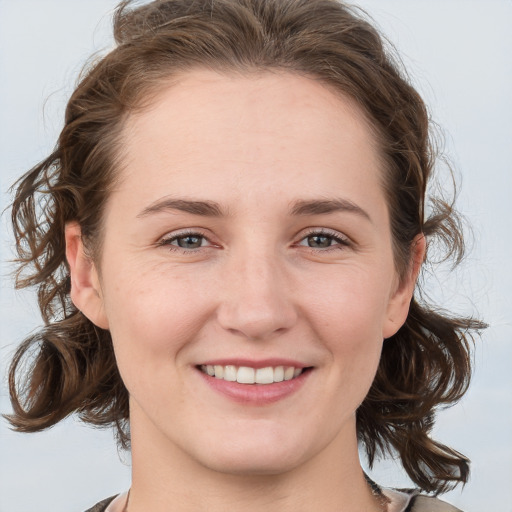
<point x="152" y="316"/>
<point x="349" y="318"/>
<point x="353" y="301"/>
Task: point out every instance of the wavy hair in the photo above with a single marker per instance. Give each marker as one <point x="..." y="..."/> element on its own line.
<point x="69" y="366"/>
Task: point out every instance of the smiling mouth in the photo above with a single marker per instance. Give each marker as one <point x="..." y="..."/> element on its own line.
<point x="248" y="375"/>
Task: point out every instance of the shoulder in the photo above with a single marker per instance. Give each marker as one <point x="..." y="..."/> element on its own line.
<point x="421" y="503"/>
<point x="101" y="506"/>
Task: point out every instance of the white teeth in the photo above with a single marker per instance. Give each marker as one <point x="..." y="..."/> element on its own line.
<point x="245" y="375"/>
<point x="264" y="375"/>
<point x="288" y="373"/>
<point x="230" y="373"/>
<point x="278" y="373"/>
<point x="248" y="375"/>
<point x="219" y="371"/>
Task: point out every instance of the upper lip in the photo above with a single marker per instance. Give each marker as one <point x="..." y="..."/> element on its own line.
<point x="253" y="363"/>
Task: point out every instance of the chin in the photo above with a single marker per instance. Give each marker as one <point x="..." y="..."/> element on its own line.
<point x="259" y="455"/>
<point x="249" y="466"/>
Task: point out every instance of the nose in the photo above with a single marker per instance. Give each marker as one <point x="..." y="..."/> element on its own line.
<point x="256" y="298"/>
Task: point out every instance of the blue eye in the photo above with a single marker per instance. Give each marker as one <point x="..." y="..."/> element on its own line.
<point x="319" y="241"/>
<point x="322" y="240"/>
<point x="189" y="241"/>
<point x="186" y="241"/>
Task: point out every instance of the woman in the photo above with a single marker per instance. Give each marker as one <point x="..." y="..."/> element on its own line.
<point x="227" y="241"/>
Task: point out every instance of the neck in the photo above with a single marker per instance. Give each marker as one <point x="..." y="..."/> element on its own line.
<point x="163" y="474"/>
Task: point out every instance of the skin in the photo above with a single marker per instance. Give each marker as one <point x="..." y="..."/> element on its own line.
<point x="254" y="289"/>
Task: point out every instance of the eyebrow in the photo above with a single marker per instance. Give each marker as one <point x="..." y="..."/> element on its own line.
<point x="325" y="206"/>
<point x="301" y="207"/>
<point x="203" y="208"/>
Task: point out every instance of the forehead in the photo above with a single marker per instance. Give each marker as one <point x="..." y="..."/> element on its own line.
<point x="282" y="129"/>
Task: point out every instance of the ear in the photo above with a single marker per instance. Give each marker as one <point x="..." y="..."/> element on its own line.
<point x="85" y="284"/>
<point x="398" y="306"/>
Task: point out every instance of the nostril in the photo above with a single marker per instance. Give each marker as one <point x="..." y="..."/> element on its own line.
<point x="257" y="321"/>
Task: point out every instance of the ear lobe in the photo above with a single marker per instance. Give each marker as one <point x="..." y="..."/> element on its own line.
<point x="85" y="284"/>
<point x="398" y="306"/>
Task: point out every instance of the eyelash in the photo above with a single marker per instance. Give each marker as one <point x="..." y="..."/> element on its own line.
<point x="341" y="242"/>
<point x="167" y="241"/>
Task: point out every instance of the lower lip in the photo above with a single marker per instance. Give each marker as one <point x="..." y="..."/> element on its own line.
<point x="256" y="394"/>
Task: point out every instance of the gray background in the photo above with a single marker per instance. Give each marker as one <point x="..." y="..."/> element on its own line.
<point x="458" y="54"/>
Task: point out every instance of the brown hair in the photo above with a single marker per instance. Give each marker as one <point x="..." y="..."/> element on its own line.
<point x="426" y="365"/>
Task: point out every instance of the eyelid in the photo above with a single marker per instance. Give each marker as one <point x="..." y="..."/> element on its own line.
<point x="342" y="239"/>
<point x="165" y="241"/>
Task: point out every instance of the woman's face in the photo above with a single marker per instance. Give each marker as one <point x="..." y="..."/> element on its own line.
<point x="249" y="234"/>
